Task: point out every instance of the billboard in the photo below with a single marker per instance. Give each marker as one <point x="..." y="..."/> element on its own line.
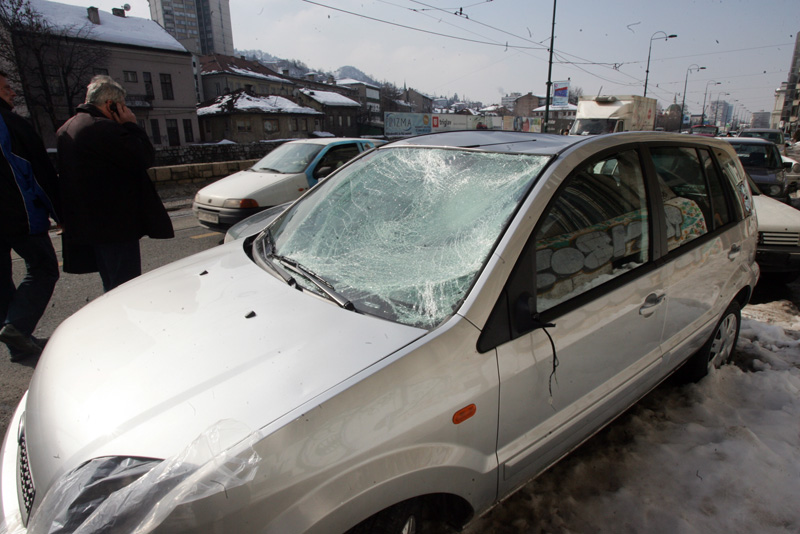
<point x="408" y="124"/>
<point x="560" y="93"/>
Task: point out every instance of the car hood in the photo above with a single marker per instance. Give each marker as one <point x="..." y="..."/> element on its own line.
<point x="148" y="367"/>
<point x="243" y="184"/>
<point x="775" y="216"/>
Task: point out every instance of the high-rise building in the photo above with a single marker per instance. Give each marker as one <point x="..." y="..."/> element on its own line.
<point x="791" y="102"/>
<point x="202" y="26"/>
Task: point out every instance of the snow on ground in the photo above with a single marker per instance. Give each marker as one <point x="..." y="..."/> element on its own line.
<point x="719" y="456"/>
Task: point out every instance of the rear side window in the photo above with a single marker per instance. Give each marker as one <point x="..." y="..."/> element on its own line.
<point x="686" y="198"/>
<point x="595" y="229"/>
<point x="719" y="201"/>
<point x="734" y="177"/>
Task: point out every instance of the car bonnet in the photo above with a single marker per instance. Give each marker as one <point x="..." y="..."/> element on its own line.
<point x="145" y="369"/>
<point x="243" y="184"/>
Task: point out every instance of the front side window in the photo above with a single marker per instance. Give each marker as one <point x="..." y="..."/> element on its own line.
<point x="402" y="233"/>
<point x="687" y="201"/>
<point x="595" y="230"/>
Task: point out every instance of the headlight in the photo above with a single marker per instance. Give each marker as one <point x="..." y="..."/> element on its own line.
<point x="775" y="190"/>
<point x="240" y="203"/>
<point x="74" y="498"/>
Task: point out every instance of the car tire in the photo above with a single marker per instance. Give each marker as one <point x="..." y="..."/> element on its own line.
<point x="402" y="518"/>
<point x="718" y="349"/>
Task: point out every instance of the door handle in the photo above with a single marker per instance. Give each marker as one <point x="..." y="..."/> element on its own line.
<point x="735" y="250"/>
<point x="652" y="301"/>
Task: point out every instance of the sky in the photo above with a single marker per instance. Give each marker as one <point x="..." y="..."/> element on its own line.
<point x="483" y="49"/>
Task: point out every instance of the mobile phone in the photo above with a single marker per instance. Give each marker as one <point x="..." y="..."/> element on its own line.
<point x="113" y="108"/>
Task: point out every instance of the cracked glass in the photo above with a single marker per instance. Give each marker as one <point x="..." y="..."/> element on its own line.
<point x="403" y="232"/>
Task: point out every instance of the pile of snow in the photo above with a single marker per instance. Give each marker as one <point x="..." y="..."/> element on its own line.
<point x="722" y="455"/>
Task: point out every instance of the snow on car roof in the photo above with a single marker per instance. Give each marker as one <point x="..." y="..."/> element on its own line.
<point x="74" y="22"/>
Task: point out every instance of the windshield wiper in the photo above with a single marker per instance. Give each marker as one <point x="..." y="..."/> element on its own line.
<point x="317" y="280"/>
<point x="267" y="169"/>
<point x="263" y="256"/>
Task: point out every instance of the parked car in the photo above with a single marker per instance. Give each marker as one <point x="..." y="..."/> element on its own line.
<point x="430" y="327"/>
<point x="764" y="164"/>
<point x="778" y="252"/>
<point x="772" y="135"/>
<point x="281" y="176"/>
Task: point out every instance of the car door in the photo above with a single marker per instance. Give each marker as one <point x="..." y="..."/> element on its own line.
<point x="589" y="267"/>
<point x="704" y="244"/>
<point x="331" y="159"/>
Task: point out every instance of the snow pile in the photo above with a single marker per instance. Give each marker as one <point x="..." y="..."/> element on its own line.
<point x="722" y="455"/>
<point x="241" y="101"/>
<point x="74" y="21"/>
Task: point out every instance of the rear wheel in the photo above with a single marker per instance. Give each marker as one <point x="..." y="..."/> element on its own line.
<point x="718" y="349"/>
<point x="402" y="518"/>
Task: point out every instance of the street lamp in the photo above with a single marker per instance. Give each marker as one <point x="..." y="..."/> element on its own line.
<point x="647" y="71"/>
<point x="716" y="108"/>
<point x="705" y="94"/>
<point x="692" y="67"/>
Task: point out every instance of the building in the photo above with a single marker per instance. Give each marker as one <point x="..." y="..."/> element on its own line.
<point x="341" y="113"/>
<point x="791" y="101"/>
<point x="560" y="117"/>
<point x="420" y="103"/>
<point x="202" y="26"/>
<point x="222" y="74"/>
<point x="371" y="118"/>
<point x="153" y="67"/>
<point x="760" y="119"/>
<point x="243" y="117"/>
<point x="509" y="100"/>
<point x="525" y="104"/>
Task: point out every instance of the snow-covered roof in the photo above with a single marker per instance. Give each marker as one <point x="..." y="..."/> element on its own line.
<point x="241" y="101"/>
<point x="74" y="21"/>
<point x="329" y="98"/>
<point x="353" y="81"/>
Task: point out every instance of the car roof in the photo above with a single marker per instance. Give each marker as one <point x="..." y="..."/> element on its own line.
<point x="533" y="143"/>
<point x="747" y="140"/>
<point x="326" y="140"/>
<point x="760" y="130"/>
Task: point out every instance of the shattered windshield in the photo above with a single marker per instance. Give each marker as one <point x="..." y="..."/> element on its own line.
<point x="288" y="158"/>
<point x="404" y="232"/>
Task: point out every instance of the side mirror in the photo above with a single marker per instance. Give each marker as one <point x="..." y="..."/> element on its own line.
<point x="322" y="172"/>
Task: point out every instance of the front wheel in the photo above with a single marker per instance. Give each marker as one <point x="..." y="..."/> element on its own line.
<point x="718" y="349"/>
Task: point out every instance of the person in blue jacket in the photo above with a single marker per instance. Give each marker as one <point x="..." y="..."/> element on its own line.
<point x="28" y="199"/>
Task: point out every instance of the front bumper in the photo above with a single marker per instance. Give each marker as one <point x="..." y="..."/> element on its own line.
<point x="777" y="259"/>
<point x="221" y="219"/>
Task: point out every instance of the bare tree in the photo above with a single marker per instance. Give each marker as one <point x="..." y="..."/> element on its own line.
<point x="53" y="64"/>
<point x="575" y="93"/>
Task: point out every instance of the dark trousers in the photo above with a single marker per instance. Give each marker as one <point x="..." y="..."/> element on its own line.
<point x="118" y="262"/>
<point x="24" y="305"/>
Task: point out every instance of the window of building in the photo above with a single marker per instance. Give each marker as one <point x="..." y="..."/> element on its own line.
<point x="173" y="137"/>
<point x="130" y="76"/>
<point x="155" y="131"/>
<point x="148" y="85"/>
<point x="271" y="125"/>
<point x="595" y="230"/>
<point x="243" y="125"/>
<point x="188" y="130"/>
<point x="166" y="86"/>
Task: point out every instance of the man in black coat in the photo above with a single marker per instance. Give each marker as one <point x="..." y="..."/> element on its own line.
<point x="28" y="198"/>
<point x="109" y="200"/>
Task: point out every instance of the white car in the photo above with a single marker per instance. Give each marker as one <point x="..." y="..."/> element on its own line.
<point x="778" y="253"/>
<point x="281" y="176"/>
<point x="427" y="329"/>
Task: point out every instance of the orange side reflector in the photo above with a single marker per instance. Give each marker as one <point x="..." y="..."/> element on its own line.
<point x="464" y="413"/>
<point x="248" y="203"/>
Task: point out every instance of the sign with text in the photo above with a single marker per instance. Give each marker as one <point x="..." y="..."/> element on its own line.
<point x="560" y="93"/>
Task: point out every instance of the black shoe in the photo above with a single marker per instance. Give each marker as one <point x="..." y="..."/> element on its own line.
<point x="19" y="345"/>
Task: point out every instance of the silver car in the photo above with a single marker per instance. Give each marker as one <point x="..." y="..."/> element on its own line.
<point x="427" y="329"/>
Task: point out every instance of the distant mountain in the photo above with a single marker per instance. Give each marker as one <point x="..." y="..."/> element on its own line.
<point x="355" y="74"/>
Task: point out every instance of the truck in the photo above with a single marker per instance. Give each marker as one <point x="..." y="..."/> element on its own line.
<point x="609" y="114"/>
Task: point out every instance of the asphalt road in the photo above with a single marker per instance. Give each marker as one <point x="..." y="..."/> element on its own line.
<point x="73" y="291"/>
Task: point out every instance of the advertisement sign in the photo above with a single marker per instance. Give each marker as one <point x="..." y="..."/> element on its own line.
<point x="560" y="93"/>
<point x="406" y="124"/>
